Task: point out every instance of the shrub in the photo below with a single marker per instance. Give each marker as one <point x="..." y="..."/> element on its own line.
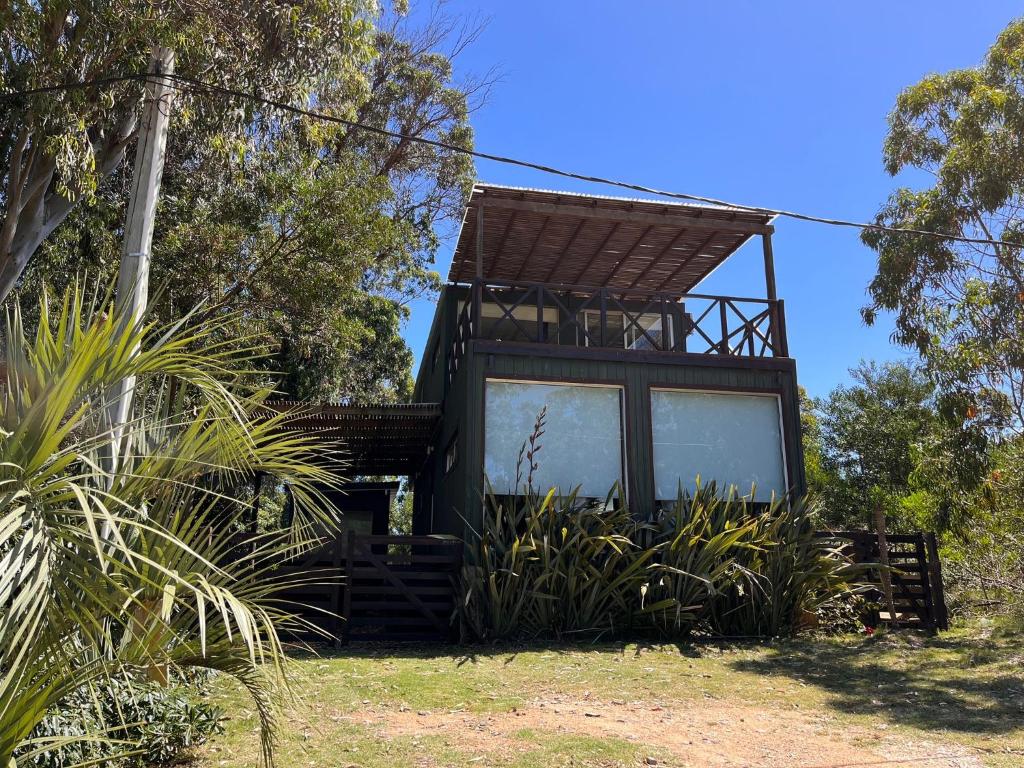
<point x="785" y="572"/>
<point x="149" y="724"/>
<point x="552" y="566"/>
<point x="695" y="544"/>
<point x="559" y="566"/>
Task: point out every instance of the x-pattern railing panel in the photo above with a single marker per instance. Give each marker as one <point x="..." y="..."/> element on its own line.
<point x="508" y="311"/>
<point x="632" y="319"/>
<point x="696" y="323"/>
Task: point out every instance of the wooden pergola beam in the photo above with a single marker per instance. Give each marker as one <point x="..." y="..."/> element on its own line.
<point x="604" y="244"/>
<point x="696" y="252"/>
<point x="655" y="259"/>
<point x="565" y="248"/>
<point x="668" y="218"/>
<point x="628" y="255"/>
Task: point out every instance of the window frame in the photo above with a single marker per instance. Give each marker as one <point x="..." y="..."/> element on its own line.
<point x="624" y="421"/>
<point x="451" y="451"/>
<point x="629" y="328"/>
<point x="776" y="392"/>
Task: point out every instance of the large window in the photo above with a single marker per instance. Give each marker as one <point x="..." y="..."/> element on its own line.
<point x="734" y="439"/>
<point x="581" y="444"/>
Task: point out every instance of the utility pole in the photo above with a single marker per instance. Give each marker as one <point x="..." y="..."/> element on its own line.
<point x="136" y="250"/>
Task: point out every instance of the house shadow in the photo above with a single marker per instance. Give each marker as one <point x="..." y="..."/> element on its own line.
<point x="469" y="653"/>
<point x="912" y="685"/>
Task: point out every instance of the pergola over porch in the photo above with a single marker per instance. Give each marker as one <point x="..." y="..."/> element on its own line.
<point x="367" y="440"/>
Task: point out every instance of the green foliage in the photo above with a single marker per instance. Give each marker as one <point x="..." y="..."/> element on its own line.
<point x="165" y="722"/>
<point x="114" y="574"/>
<point x="694" y="547"/>
<point x="401" y="511"/>
<point x="959" y="305"/>
<point x="311" y="237"/>
<point x="881" y="440"/>
<point x="561" y="566"/>
<point x="552" y="567"/>
<point x="57" y="148"/>
<point x="984" y="561"/>
<point x="785" y="573"/>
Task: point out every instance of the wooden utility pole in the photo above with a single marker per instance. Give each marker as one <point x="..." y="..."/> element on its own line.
<point x="136" y="250"/>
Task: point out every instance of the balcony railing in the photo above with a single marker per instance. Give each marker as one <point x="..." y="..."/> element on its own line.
<point x="612" y="318"/>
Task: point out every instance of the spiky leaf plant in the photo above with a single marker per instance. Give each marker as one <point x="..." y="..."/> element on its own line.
<point x="699" y="541"/>
<point x="786" y="572"/>
<point x="120" y="570"/>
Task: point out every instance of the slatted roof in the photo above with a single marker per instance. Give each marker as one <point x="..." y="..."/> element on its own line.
<point x="392" y="439"/>
<point x="543" y="236"/>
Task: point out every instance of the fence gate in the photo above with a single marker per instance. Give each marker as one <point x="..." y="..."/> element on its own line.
<point x="918" y="595"/>
<point x="399" y="587"/>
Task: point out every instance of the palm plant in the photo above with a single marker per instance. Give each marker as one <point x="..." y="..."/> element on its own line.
<point x="120" y="569"/>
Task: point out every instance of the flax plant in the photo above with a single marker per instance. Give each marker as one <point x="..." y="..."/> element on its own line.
<point x="698" y="542"/>
<point x="554" y="565"/>
<point x="131" y="573"/>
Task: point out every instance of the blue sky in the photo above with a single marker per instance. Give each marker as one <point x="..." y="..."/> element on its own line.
<point x="781" y="104"/>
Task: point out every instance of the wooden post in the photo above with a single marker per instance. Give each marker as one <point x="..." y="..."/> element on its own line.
<point x="769" y="265"/>
<point x="666" y="335"/>
<point x="133" y="275"/>
<point x="602" y="332"/>
<point x="345" y="588"/>
<point x="781" y="342"/>
<point x="723" y="346"/>
<point x="883" y="561"/>
<point x="540" y="314"/>
<point x="480" y="240"/>
<point x="935" y="580"/>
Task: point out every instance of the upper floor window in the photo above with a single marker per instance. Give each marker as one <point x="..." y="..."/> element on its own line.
<point x="643" y="331"/>
<point x="520" y="324"/>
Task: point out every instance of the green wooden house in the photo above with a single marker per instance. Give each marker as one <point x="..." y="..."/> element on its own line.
<point x="589" y="307"/>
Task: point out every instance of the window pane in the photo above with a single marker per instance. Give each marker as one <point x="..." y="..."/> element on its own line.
<point x="581" y="444"/>
<point x="732" y="439"/>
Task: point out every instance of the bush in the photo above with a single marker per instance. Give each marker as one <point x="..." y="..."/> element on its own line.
<point x="552" y="566"/>
<point x="148" y="724"/>
<point x="785" y="572"/>
<point x="559" y="566"/>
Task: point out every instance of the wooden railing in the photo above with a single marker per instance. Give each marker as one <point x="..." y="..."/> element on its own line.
<point x="612" y="318"/>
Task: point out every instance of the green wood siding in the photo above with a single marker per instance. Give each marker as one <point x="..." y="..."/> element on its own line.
<point x="457" y="495"/>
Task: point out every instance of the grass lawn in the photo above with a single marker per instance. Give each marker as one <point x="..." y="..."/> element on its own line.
<point x="956" y="700"/>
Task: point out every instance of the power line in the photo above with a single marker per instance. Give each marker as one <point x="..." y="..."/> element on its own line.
<point x="182" y="82"/>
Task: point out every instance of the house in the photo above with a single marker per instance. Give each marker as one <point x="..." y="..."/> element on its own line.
<point x="589" y="307"/>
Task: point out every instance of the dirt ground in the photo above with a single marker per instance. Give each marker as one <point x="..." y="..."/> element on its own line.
<point x="899" y="701"/>
<point x="713" y="735"/>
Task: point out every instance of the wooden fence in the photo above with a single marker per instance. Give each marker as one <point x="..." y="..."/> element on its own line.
<point x="916" y="575"/>
<point x="360" y="587"/>
<point x="399" y="587"/>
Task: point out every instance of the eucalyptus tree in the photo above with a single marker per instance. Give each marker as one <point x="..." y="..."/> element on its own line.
<point x="312" y="236"/>
<point x="960" y="305"/>
<point x="57" y="147"/>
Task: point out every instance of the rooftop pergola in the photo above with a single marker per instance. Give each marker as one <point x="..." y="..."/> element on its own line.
<point x="560" y="238"/>
<point x="391" y="439"/>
